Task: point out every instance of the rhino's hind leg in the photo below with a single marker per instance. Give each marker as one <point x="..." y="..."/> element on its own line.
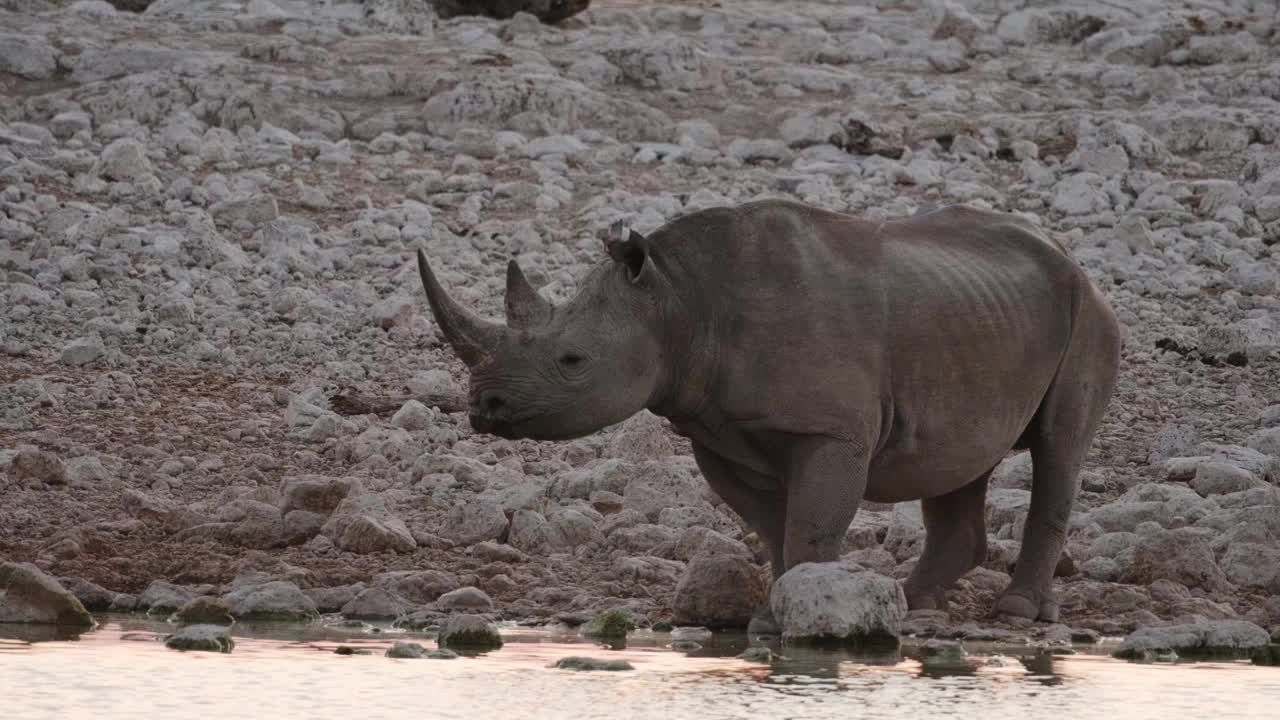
<point x="1060" y="437"/>
<point x="955" y="543"/>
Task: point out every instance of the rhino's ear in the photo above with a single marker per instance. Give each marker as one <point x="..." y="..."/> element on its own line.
<point x="630" y="248"/>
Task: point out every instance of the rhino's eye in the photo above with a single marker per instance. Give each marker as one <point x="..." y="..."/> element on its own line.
<point x="571" y="360"/>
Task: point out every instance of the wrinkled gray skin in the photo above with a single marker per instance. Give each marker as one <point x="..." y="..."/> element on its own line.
<point x="815" y="359"/>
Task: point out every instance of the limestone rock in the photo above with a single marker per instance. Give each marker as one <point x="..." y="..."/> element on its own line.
<point x="26" y="56"/>
<point x="824" y="602"/>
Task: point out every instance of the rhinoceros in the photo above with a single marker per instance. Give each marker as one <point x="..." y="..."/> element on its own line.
<point x="815" y="359"/>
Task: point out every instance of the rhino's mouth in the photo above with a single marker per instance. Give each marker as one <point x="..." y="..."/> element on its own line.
<point x="501" y="428"/>
<point x="524" y="428"/>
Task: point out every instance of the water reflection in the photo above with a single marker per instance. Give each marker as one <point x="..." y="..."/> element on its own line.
<point x="121" y="670"/>
<point x="39" y="633"/>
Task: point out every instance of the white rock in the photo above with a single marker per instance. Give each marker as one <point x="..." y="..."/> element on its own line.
<point x="1031" y="26"/>
<point x="665" y="61"/>
<point x="413" y="415"/>
<point x="393" y="311"/>
<point x="27" y="56"/>
<point x="124" y="159"/>
<point x="821" y="601"/>
<point x="1080" y="194"/>
<point x="68" y="123"/>
<point x="83" y="351"/>
<point x="1266" y="442"/>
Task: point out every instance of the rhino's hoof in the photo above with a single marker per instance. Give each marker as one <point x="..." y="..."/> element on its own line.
<point x="1018" y="606"/>
<point x="1022" y="606"/>
<point x="926" y="600"/>
<point x="762" y="623"/>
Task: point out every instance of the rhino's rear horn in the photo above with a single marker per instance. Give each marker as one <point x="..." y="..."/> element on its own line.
<point x="525" y="307"/>
<point x="472" y="337"/>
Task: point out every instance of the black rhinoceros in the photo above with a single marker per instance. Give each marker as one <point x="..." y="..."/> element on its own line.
<point x="815" y="359"/>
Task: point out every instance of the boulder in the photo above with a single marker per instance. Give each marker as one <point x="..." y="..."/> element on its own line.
<point x="31" y="465"/>
<point x="406" y="650"/>
<point x="560" y="530"/>
<point x="417" y="587"/>
<point x="640" y="438"/>
<point x="1219" y="478"/>
<point x="362" y="524"/>
<point x="905" y="535"/>
<point x="1266" y="441"/>
<point x="469" y="632"/>
<point x="253" y="524"/>
<point x="695" y="541"/>
<point x="473" y="520"/>
<point x="413" y="651"/>
<point x="204" y="610"/>
<point x="469" y="599"/>
<point x="374" y="603"/>
<point x="302" y="525"/>
<point x="94" y="597"/>
<point x="27" y="595"/>
<point x="837" y="602"/>
<point x="588" y="664"/>
<point x="332" y="599"/>
<point x="610" y="624"/>
<point x="1183" y="555"/>
<point x="203" y="638"/>
<point x="1253" y="565"/>
<point x="27" y="56"/>
<point x="313" y="493"/>
<point x="718" y="591"/>
<point x="656" y="486"/>
<point x="82" y="351"/>
<point x="125" y="160"/>
<point x="276" y="600"/>
<point x="1205" y="639"/>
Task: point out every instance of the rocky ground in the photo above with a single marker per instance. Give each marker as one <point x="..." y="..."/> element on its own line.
<point x="208" y="214"/>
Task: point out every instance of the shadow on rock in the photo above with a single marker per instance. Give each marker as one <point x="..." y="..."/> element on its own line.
<point x="548" y="11"/>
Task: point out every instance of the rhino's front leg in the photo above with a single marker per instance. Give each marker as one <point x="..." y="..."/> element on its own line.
<point x="763" y="509"/>
<point x="760" y="502"/>
<point x="825" y="481"/>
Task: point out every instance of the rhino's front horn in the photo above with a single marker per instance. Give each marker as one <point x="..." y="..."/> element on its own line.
<point x="525" y="307"/>
<point x="473" y="338"/>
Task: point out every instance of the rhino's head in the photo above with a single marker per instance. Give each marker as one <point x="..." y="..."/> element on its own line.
<point x="561" y="372"/>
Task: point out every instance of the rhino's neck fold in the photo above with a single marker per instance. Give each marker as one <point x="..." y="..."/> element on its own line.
<point x="688" y="372"/>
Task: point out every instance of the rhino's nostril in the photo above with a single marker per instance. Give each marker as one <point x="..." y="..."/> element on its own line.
<point x="492" y="404"/>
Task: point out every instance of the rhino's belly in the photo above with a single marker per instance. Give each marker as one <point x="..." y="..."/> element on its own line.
<point x="918" y="465"/>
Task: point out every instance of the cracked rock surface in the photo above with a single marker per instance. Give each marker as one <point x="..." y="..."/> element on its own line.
<point x="209" y="212"/>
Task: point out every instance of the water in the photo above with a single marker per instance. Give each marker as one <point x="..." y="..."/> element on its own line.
<point x="122" y="670"/>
